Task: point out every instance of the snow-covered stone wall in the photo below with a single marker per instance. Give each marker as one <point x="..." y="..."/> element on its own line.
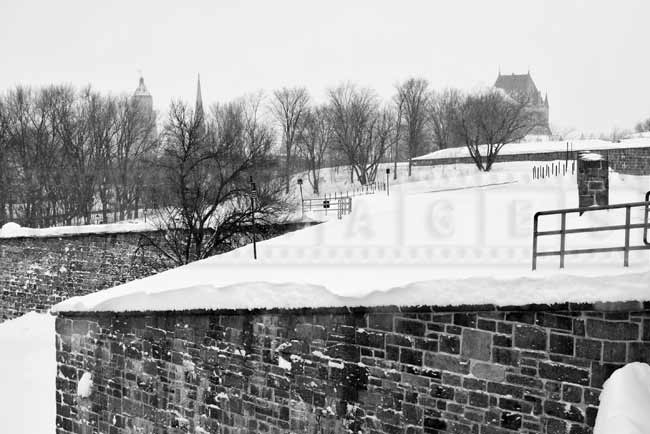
<point x="38" y="272"/>
<point x="469" y="369"/>
<point x="631" y="161"/>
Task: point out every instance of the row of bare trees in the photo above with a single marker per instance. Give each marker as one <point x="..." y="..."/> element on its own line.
<point x="355" y="128"/>
<point x="65" y="153"/>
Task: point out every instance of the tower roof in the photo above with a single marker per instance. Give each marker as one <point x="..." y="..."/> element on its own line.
<point x="141" y="90"/>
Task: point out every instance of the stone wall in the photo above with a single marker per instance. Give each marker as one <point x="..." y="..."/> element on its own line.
<point x="467" y="370"/>
<point x="36" y="273"/>
<point x="632" y="161"/>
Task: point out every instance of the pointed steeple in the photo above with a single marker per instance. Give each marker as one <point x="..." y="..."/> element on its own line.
<point x="199" y="100"/>
<point x="141" y="90"/>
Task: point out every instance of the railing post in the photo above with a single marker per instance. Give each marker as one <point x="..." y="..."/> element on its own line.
<point x="535" y="242"/>
<point x="645" y="219"/>
<point x="562" y="239"/>
<point x="626" y="258"/>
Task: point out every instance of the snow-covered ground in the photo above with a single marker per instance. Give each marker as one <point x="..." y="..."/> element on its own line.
<point x="27" y="375"/>
<point x="463" y="238"/>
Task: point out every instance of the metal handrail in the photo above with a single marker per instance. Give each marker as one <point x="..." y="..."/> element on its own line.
<point x="563" y="231"/>
<point x="342" y="205"/>
<point x="645" y="220"/>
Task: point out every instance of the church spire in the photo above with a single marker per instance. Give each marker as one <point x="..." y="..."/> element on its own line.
<point x="199" y="100"/>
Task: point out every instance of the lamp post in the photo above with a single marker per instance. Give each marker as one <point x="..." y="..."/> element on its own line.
<point x="253" y="195"/>
<point x="387" y="182"/>
<point x="302" y="202"/>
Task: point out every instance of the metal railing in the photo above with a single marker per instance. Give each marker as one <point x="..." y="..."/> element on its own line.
<point x="342" y="205"/>
<point x="563" y="231"/>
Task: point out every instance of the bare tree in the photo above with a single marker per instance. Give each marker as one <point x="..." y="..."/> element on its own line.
<point x="207" y="164"/>
<point x="362" y="130"/>
<point x="413" y="100"/>
<point x="313" y="142"/>
<point x="487" y="121"/>
<point x="5" y="175"/>
<point x="288" y="106"/>
<point x="442" y="107"/>
<point x="642" y="126"/>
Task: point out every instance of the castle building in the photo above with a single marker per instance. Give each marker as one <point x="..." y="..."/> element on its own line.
<point x="522" y="85"/>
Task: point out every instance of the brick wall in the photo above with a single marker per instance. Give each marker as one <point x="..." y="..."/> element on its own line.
<point x="36" y="273"/>
<point x="468" y="370"/>
<point x="632" y="161"/>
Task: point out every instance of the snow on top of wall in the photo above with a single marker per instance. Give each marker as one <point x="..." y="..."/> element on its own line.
<point x="591" y="156"/>
<point x="624" y="401"/>
<point x="13" y="230"/>
<point x="543" y="147"/>
<point x="449" y="292"/>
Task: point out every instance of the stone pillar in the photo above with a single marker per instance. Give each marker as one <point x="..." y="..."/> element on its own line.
<point x="593" y="179"/>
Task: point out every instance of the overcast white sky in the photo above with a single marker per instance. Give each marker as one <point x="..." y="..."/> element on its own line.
<point x="590" y="56"/>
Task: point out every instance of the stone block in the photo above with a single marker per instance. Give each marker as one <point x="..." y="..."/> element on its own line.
<point x="561" y="344"/>
<point x="614" y="351"/>
<point x="446" y="363"/>
<point x="449" y="344"/>
<point x="530" y="337"/>
<point x="476" y="344"/>
<point x="612" y="330"/>
<point x="566" y="373"/>
<point x="488" y="371"/>
<point x="564" y="411"/>
<point x="588" y="349"/>
<point x="409" y="327"/>
<point x="505" y="356"/>
<point x="411" y="357"/>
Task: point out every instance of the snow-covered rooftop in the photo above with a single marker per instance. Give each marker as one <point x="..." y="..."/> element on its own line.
<point x="542" y="147"/>
<point x="441" y="241"/>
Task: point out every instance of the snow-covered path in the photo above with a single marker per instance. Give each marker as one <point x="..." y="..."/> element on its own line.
<point x="27" y="375"/>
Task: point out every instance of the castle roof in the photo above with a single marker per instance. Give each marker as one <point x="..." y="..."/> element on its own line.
<point x="141" y="89"/>
<point x="516" y="84"/>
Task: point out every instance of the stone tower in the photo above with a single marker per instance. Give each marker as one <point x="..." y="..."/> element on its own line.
<point x="523" y="85"/>
<point x="143" y="98"/>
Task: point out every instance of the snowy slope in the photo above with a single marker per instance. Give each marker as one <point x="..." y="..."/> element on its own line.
<point x="449" y="234"/>
<point x="27" y="375"/>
